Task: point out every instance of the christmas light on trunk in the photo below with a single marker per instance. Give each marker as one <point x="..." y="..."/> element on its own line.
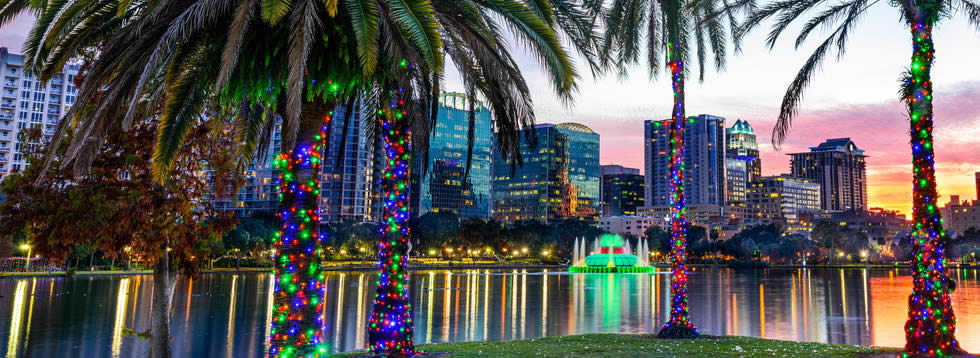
<point x="931" y="327"/>
<point x="679" y="325"/>
<point x="390" y="327"/>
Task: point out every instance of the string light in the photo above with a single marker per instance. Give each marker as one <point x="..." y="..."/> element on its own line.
<point x="931" y="327"/>
<point x="390" y="326"/>
<point x="299" y="291"/>
<point x="679" y="321"/>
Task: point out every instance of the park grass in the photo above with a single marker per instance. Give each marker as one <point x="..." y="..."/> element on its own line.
<point x="634" y="345"/>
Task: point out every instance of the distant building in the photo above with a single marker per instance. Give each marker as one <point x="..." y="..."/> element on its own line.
<point x="622" y="190"/>
<point x="636" y="225"/>
<point x="977" y="175"/>
<point x="559" y="180"/>
<point x="741" y="145"/>
<point x="444" y="185"/>
<point x="25" y="102"/>
<point x="879" y="224"/>
<point x="958" y="216"/>
<point x="785" y="200"/>
<point x="697" y="214"/>
<point x="736" y="179"/>
<point x="348" y="187"/>
<point x="839" y="167"/>
<point x="704" y="156"/>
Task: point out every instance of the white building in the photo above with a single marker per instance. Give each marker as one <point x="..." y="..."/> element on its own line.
<point x="25" y="102"/>
<point x="636" y="225"/>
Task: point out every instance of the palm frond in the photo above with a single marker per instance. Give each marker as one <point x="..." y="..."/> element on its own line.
<point x="364" y="18"/>
<point x="303" y="24"/>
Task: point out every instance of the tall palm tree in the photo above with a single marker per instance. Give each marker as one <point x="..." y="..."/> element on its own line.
<point x="931" y="326"/>
<point x="668" y="26"/>
<point x="296" y="60"/>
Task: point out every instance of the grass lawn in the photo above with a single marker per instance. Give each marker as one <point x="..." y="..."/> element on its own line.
<point x="629" y="345"/>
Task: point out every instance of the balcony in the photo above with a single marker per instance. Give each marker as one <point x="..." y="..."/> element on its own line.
<point x="54" y="91"/>
<point x="53" y="111"/>
<point x="5" y="115"/>
<point x="54" y="101"/>
<point x="10" y="84"/>
<point x="8" y="105"/>
<point x="9" y="94"/>
<point x="57" y="80"/>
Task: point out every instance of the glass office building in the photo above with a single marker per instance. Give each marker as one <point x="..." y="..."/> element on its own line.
<point x="441" y="183"/>
<point x="558" y="181"/>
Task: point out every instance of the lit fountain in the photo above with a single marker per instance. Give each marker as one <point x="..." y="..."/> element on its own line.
<point x="610" y="254"/>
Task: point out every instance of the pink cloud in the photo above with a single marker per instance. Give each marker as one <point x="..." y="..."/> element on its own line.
<point x="880" y="129"/>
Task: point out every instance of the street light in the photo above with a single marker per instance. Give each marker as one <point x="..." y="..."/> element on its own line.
<point x="27" y="263"/>
<point x="544" y="253"/>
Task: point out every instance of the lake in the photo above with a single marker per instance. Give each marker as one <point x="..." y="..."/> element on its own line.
<point x="227" y="314"/>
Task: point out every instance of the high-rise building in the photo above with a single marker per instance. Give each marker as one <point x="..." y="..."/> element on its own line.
<point x="704" y="161"/>
<point x="792" y="202"/>
<point x="622" y="190"/>
<point x="741" y="145"/>
<point x="25" y="102"/>
<point x="348" y="186"/>
<point x="737" y="179"/>
<point x="559" y="180"/>
<point x="839" y="167"/>
<point x="977" y="175"/>
<point x="444" y="185"/>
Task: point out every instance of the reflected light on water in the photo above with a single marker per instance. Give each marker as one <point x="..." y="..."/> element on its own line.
<point x="117" y="328"/>
<point x="853" y="306"/>
<point x="16" y="317"/>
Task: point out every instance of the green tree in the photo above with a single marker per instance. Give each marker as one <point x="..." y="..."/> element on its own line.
<point x="668" y="26"/>
<point x="931" y="327"/>
<point x="120" y="210"/>
<point x="296" y="60"/>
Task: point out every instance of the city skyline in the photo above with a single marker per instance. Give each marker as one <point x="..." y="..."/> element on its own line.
<point x="854" y="98"/>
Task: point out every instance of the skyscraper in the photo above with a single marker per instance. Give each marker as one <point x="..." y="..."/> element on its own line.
<point x="704" y="161"/>
<point x="839" y="167"/>
<point x="25" y="102"/>
<point x="622" y="190"/>
<point x="559" y="180"/>
<point x="741" y="144"/>
<point x="977" y="175"/>
<point x="444" y="186"/>
<point x="348" y="187"/>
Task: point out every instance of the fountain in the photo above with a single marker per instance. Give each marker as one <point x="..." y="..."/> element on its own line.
<point x="611" y="254"/>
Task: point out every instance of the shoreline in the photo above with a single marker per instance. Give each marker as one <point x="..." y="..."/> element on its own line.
<point x="645" y="345"/>
<point x="468" y="266"/>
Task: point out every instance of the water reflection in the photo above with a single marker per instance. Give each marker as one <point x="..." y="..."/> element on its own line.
<point x="230" y="315"/>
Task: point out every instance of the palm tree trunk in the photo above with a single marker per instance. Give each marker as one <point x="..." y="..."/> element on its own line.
<point x="678" y="326"/>
<point x="931" y="328"/>
<point x="163" y="286"/>
<point x="390" y="327"/>
<point x="299" y="290"/>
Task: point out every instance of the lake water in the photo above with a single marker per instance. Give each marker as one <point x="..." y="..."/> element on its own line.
<point x="227" y="315"/>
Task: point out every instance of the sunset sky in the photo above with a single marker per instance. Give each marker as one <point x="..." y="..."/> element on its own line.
<point x="855" y="97"/>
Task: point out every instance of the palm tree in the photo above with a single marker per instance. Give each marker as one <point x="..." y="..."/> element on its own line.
<point x="931" y="326"/>
<point x="668" y="26"/>
<point x="296" y="60"/>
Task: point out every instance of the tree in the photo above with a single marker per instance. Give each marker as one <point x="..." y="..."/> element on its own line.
<point x="931" y="327"/>
<point x="119" y="209"/>
<point x="304" y="58"/>
<point x="668" y="27"/>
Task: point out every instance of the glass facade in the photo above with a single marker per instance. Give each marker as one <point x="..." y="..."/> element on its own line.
<point x="622" y="190"/>
<point x="704" y="161"/>
<point x="558" y="181"/>
<point x="840" y="169"/>
<point x="742" y="145"/>
<point x="444" y="186"/>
